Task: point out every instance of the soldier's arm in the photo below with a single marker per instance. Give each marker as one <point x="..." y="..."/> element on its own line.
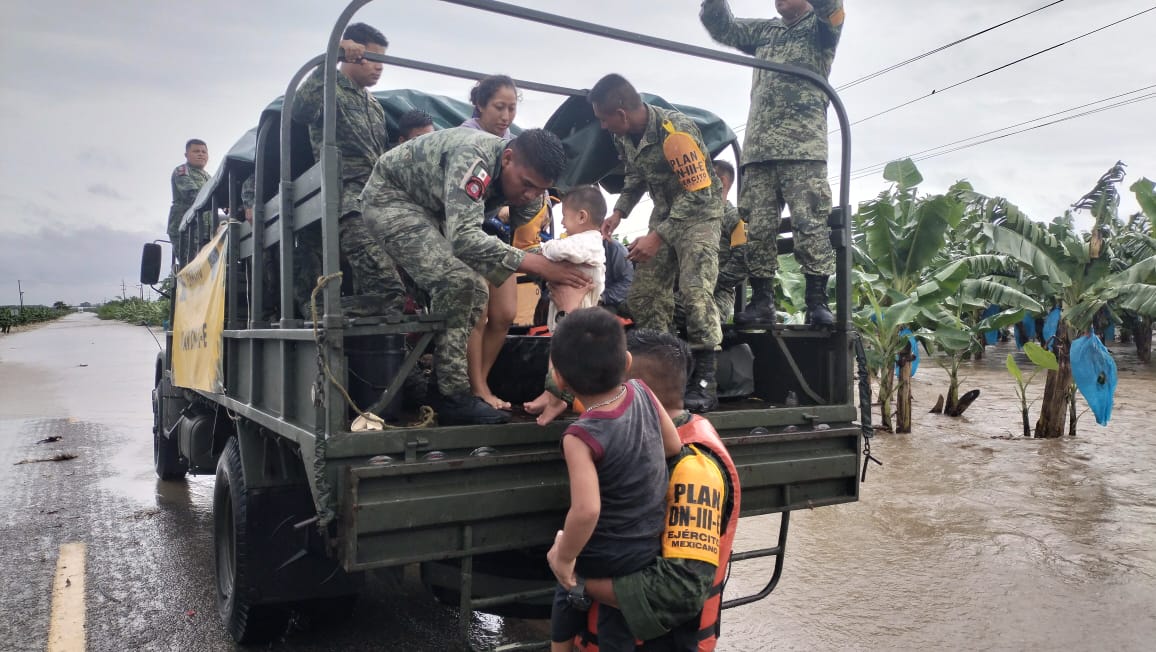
<point x="309" y="101"/>
<point x="742" y="33"/>
<point x="484" y="254"/>
<point x="830" y="15"/>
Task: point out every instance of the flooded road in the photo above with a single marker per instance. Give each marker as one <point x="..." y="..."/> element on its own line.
<point x="968" y="540"/>
<point x="965" y="539"/>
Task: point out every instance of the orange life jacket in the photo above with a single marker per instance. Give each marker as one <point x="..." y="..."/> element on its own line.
<point x="700" y="432"/>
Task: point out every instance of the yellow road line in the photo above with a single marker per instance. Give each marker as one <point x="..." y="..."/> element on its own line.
<point x="66" y="626"/>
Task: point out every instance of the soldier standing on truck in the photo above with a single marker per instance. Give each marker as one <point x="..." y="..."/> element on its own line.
<point x="431" y="195"/>
<point x="682" y="243"/>
<point x="785" y="150"/>
<point x="187" y="180"/>
<point x="361" y="138"/>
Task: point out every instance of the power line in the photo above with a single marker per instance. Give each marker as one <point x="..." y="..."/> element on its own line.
<point x="997" y="69"/>
<point x="952" y="150"/>
<point x="877" y="167"/>
<point x="941" y="48"/>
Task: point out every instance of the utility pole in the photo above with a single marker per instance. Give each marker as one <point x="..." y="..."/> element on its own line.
<point x="123" y="291"/>
<point x="20" y="289"/>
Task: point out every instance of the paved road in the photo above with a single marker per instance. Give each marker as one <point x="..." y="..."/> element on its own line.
<point x="148" y="579"/>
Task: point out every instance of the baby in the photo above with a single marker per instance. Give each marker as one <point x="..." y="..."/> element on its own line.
<point x="583" y="209"/>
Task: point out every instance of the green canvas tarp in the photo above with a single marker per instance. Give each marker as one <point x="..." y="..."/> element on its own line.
<point x="590" y="151"/>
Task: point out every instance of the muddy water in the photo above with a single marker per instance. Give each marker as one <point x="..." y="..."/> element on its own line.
<point x="967" y="539"/>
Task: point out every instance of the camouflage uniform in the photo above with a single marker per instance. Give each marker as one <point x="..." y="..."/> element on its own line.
<point x="689" y="224"/>
<point x="418" y="195"/>
<point x="732" y="264"/>
<point x="361" y="138"/>
<point x="785" y="150"/>
<point x="186" y="182"/>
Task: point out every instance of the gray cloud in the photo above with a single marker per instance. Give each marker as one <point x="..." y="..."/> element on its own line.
<point x="106" y="191"/>
<point x="137" y="89"/>
<point x="70" y="265"/>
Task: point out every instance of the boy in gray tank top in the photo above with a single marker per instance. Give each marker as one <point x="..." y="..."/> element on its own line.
<point x="616" y="461"/>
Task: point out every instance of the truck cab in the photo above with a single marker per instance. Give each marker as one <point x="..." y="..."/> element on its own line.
<point x="303" y="504"/>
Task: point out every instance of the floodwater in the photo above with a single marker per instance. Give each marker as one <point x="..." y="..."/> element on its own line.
<point x="968" y="537"/>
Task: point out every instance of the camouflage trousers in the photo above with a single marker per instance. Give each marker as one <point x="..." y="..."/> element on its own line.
<point x="373" y="271"/>
<point x="411" y="236"/>
<point x="732" y="270"/>
<point x="689" y="259"/>
<point x="802" y="186"/>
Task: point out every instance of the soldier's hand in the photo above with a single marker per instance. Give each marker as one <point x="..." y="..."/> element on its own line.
<point x="644" y="248"/>
<point x="353" y="51"/>
<point x="610" y="224"/>
<point x="560" y="273"/>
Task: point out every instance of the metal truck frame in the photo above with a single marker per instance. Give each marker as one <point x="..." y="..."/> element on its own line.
<point x="299" y="510"/>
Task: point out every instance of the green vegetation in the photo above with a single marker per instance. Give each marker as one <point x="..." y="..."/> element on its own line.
<point x="11" y="316"/>
<point x="136" y="311"/>
<point x="936" y="264"/>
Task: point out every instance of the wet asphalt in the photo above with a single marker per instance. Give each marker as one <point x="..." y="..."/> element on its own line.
<point x="149" y="569"/>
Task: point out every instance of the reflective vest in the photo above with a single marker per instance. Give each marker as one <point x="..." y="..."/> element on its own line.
<point x="698" y="431"/>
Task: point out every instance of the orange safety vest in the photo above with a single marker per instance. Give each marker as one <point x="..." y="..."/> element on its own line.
<point x="697" y="431"/>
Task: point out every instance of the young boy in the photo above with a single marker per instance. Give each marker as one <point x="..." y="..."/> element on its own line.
<point x="616" y="461"/>
<point x="583" y="210"/>
<point x="670" y="604"/>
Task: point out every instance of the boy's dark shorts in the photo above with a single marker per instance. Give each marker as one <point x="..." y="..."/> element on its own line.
<point x="663" y="595"/>
<point x="602" y="558"/>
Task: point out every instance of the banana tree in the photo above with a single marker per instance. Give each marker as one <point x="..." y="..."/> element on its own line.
<point x="1074" y="273"/>
<point x="900" y="237"/>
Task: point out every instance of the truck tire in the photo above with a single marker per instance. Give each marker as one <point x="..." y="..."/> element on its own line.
<point x="167" y="458"/>
<point x="234" y="554"/>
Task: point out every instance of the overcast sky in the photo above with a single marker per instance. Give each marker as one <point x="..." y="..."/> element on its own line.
<point x="98" y="98"/>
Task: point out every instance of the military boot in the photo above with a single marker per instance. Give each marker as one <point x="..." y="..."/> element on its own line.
<point x="761" y="309"/>
<point x="466" y="409"/>
<point x="702" y="389"/>
<point x="818" y="314"/>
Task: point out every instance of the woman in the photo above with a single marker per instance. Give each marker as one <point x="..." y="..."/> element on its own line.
<point x="495" y="100"/>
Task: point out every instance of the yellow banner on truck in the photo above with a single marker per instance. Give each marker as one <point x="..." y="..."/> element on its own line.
<point x="199" y="318"/>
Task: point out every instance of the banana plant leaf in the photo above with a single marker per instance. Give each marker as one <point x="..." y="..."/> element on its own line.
<point x="1094" y="372"/>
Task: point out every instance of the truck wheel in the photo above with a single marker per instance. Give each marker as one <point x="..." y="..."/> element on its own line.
<point x="166" y="454"/>
<point x="234" y="554"/>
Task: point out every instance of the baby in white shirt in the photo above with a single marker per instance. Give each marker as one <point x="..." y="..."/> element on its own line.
<point x="583" y="209"/>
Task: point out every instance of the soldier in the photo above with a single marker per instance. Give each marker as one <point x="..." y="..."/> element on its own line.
<point x="187" y="180"/>
<point x="682" y="243"/>
<point x="413" y="123"/>
<point x="431" y="195"/>
<point x="732" y="249"/>
<point x="361" y="138"/>
<point x="785" y="153"/>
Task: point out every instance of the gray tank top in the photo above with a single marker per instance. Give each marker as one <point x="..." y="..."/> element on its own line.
<point x="631" y="463"/>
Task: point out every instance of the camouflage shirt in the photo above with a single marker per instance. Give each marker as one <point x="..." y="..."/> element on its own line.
<point x="186" y="182"/>
<point x="443" y="172"/>
<point x="788" y="116"/>
<point x="361" y="135"/>
<point x="648" y="171"/>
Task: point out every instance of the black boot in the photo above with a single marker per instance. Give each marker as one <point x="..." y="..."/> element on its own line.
<point x="702" y="389"/>
<point x="466" y="409"/>
<point x="761" y="309"/>
<point x="818" y="314"/>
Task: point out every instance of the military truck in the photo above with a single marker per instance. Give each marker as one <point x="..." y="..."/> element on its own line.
<point x="253" y="391"/>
